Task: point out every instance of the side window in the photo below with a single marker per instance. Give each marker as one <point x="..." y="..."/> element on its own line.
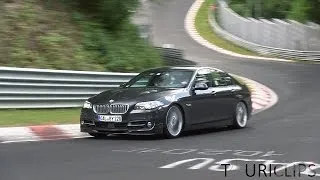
<point x="221" y="79"/>
<point x="204" y="76"/>
<point x="142" y="82"/>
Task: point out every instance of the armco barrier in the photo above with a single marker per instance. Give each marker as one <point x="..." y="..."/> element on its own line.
<point x="43" y="88"/>
<point x="266" y="50"/>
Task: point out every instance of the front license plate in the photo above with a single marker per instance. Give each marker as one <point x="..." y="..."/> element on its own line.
<point x="110" y="118"/>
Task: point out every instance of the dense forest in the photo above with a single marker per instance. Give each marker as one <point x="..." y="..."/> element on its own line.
<point x="73" y="34"/>
<point x="299" y="10"/>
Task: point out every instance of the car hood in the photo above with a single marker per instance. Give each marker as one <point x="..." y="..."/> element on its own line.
<point x="133" y="95"/>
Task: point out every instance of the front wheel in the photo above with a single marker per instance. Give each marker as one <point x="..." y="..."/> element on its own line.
<point x="240" y="119"/>
<point x="174" y="122"/>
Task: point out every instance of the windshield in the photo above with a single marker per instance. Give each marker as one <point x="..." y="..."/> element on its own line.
<point x="172" y="78"/>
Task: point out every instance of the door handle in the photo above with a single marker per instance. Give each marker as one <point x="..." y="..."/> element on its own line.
<point x="239" y="96"/>
<point x="213" y="92"/>
<point x="233" y="90"/>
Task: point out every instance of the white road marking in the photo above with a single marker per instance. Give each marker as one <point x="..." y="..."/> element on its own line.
<point x="310" y="171"/>
<point x="212" y="152"/>
<point x="247" y="153"/>
<point x="225" y="165"/>
<point x="220" y="167"/>
<point x="128" y="151"/>
<point x="271" y="153"/>
<point x="151" y="150"/>
<point x="206" y="152"/>
<point x="176" y="151"/>
<point x="205" y="161"/>
<point x="15" y="141"/>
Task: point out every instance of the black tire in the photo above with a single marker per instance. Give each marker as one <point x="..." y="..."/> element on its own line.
<point x="98" y="135"/>
<point x="240" y="118"/>
<point x="174" y="122"/>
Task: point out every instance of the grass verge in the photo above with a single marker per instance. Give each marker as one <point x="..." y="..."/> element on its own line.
<point x="61" y="35"/>
<point x="204" y="29"/>
<point x="29" y="117"/>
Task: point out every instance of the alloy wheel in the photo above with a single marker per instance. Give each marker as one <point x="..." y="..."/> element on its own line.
<point x="241" y="115"/>
<point x="174" y="121"/>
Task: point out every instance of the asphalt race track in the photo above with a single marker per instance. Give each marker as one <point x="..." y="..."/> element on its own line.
<point x="286" y="133"/>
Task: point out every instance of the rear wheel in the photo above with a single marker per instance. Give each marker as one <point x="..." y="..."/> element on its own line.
<point x="240" y="119"/>
<point x="174" y="122"/>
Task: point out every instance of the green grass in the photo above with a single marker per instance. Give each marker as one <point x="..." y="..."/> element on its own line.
<point x="204" y="29"/>
<point x="10" y="118"/>
<point x="59" y="35"/>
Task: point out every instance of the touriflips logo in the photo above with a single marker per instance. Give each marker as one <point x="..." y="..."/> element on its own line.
<point x="276" y="170"/>
<point x="253" y="168"/>
<point x="253" y="164"/>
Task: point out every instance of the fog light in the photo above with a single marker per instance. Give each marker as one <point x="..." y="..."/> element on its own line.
<point x="82" y="122"/>
<point x="149" y="124"/>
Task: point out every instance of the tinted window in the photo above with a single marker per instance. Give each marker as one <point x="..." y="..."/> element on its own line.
<point x="221" y="79"/>
<point x="204" y="76"/>
<point x="142" y="82"/>
<point x="172" y="78"/>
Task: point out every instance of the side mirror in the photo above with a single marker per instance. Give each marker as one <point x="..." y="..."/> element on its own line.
<point x="200" y="86"/>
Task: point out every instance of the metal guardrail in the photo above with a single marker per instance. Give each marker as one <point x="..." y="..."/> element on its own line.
<point x="43" y="88"/>
<point x="265" y="50"/>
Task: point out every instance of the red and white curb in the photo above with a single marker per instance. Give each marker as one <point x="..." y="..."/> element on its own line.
<point x="262" y="98"/>
<point x="40" y="133"/>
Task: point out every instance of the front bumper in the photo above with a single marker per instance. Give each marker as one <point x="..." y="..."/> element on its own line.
<point x="132" y="123"/>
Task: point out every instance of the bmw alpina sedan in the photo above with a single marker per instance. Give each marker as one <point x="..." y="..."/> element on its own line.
<point x="168" y="101"/>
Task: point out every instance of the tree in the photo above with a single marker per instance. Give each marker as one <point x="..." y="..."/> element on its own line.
<point x="276" y="8"/>
<point x="111" y="13"/>
<point x="299" y="10"/>
<point x="261" y="8"/>
<point x="313" y="12"/>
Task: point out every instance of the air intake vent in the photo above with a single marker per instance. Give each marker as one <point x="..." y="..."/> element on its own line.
<point x="119" y="108"/>
<point x="101" y="109"/>
<point x="112" y="109"/>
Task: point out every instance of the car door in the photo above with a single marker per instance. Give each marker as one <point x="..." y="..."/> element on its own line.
<point x="225" y="91"/>
<point x="202" y="101"/>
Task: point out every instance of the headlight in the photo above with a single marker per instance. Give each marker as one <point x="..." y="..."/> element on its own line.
<point x="148" y="105"/>
<point x="87" y="105"/>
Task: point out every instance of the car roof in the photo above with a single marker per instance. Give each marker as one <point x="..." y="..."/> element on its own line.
<point x="194" y="68"/>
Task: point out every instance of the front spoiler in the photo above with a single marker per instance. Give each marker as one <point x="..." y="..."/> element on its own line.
<point x="155" y="130"/>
